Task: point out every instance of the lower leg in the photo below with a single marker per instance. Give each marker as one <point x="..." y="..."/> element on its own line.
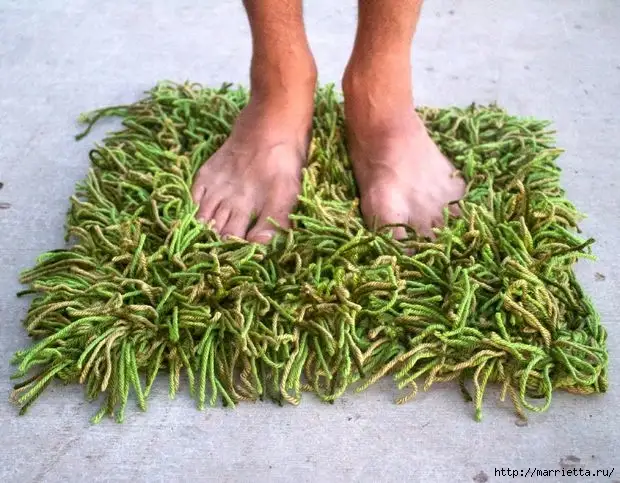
<point x="282" y="69"/>
<point x="257" y="170"/>
<point x="401" y="174"/>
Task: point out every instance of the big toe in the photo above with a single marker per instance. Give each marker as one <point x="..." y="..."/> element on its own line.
<point x="385" y="207"/>
<point x="273" y="216"/>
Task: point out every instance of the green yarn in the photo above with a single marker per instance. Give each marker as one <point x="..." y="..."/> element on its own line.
<point x="327" y="305"/>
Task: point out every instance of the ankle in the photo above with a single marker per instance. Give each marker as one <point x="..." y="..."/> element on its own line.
<point x="376" y="109"/>
<point x="379" y="104"/>
<point x="382" y="83"/>
<point x="287" y="81"/>
<point x="281" y="103"/>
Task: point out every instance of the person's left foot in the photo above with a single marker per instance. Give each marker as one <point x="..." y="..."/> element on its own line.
<point x="402" y="176"/>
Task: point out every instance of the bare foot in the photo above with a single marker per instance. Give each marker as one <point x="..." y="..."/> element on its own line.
<point x="257" y="171"/>
<point x="402" y="176"/>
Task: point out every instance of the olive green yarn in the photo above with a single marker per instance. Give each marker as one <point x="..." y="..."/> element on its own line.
<point x="328" y="305"/>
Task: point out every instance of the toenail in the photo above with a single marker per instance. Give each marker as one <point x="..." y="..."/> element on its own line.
<point x="264" y="236"/>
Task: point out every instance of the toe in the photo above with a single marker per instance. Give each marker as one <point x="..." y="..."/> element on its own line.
<point x="455" y="210"/>
<point x="208" y="205"/>
<point x="385" y="217"/>
<point x="380" y="211"/>
<point x="263" y="235"/>
<point x="264" y="230"/>
<point x="198" y="191"/>
<point x="424" y="224"/>
<point x="221" y="216"/>
<point x="237" y="224"/>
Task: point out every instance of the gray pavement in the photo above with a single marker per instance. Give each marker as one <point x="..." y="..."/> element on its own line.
<point x="555" y="59"/>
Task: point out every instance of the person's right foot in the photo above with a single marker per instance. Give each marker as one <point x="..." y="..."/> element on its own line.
<point x="257" y="171"/>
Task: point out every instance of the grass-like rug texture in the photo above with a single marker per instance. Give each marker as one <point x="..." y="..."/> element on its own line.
<point x="328" y="305"/>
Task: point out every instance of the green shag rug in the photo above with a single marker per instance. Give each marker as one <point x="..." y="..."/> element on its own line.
<point x="326" y="306"/>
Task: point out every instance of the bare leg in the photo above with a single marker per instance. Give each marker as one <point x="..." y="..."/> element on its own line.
<point x="258" y="169"/>
<point x="401" y="174"/>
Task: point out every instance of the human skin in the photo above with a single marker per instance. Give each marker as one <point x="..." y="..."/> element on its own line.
<point x="402" y="176"/>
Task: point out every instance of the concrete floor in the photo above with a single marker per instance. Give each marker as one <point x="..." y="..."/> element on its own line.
<point x="555" y="59"/>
